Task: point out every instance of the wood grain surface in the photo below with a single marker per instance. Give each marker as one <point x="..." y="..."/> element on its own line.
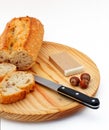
<point x="44" y="104"/>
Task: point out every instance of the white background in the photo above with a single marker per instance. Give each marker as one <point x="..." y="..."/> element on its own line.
<point x="82" y="24"/>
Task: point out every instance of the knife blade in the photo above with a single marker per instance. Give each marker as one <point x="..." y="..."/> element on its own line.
<point x="68" y="92"/>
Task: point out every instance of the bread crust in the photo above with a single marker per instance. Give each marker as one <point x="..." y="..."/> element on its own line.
<point x="22" y="35"/>
<point x="8" y="99"/>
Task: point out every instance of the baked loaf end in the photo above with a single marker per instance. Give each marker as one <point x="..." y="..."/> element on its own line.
<point x="15" y="86"/>
<point x="21" y="41"/>
<point x="6" y="68"/>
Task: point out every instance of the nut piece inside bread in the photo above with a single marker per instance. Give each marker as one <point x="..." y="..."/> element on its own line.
<point x="6" y="68"/>
<point x="15" y="86"/>
<point x="22" y="39"/>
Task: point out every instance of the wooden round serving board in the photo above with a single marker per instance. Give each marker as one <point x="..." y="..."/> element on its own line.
<point x="44" y="104"/>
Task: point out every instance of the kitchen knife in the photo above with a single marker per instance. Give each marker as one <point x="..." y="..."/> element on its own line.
<point x="68" y="92"/>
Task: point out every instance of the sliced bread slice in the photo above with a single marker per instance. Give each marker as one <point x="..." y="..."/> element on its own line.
<point x="11" y="95"/>
<point x="6" y="68"/>
<point x="15" y="86"/>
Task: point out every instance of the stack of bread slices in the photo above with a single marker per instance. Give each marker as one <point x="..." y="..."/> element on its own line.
<point x="20" y="43"/>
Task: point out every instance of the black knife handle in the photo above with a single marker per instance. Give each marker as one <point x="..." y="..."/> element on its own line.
<point x="80" y="97"/>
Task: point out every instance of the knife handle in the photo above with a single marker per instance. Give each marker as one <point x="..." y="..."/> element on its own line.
<point x="80" y="97"/>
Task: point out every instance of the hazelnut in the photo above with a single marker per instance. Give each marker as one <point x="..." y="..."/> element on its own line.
<point x="85" y="76"/>
<point x="84" y="83"/>
<point x="74" y="81"/>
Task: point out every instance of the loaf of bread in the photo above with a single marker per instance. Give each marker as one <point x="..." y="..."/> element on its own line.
<point x="6" y="68"/>
<point x="15" y="86"/>
<point x="21" y="41"/>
